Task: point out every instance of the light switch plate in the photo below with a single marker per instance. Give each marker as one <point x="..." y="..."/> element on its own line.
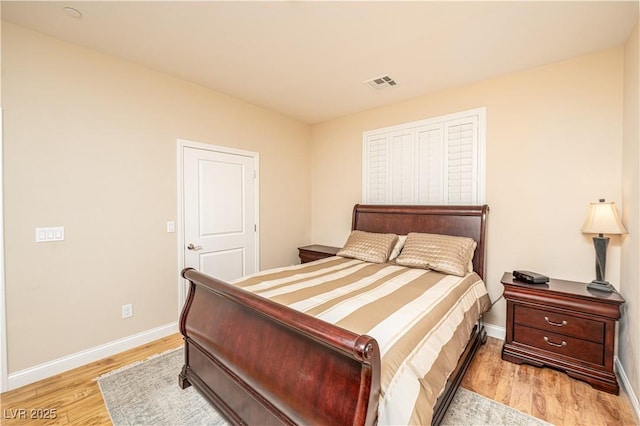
<point x="52" y="233"/>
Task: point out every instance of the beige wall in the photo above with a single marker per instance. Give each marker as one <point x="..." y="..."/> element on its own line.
<point x="629" y="346"/>
<point x="554" y="144"/>
<point x="90" y="144"/>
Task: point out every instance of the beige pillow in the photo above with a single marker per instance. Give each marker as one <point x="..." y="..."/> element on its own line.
<point x="369" y="246"/>
<point x="442" y="253"/>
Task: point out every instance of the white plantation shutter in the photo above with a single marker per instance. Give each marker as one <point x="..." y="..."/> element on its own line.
<point x="461" y="146"/>
<point x="434" y="161"/>
<point x="402" y="179"/>
<point x="429" y="165"/>
<point x="376" y="169"/>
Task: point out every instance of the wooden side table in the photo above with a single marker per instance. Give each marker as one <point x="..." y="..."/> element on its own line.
<point x="315" y="252"/>
<point x="563" y="325"/>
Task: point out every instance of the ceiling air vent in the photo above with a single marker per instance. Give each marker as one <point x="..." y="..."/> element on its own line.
<point x="381" y="82"/>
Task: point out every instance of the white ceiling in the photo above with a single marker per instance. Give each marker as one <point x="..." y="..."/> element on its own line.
<point x="308" y="60"/>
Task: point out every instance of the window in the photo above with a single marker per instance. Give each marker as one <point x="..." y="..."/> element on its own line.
<point x="439" y="160"/>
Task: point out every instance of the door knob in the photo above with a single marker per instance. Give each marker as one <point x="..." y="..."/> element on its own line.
<point x="192" y="247"/>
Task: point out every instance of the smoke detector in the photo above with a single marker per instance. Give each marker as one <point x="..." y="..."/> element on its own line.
<point x="74" y="13"/>
<point x="381" y="82"/>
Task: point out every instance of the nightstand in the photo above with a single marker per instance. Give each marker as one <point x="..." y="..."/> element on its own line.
<point x="563" y="325"/>
<point x="315" y="252"/>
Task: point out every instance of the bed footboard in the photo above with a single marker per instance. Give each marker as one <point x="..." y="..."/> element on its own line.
<point x="259" y="362"/>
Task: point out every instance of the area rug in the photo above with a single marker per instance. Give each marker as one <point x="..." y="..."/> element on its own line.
<point x="147" y="393"/>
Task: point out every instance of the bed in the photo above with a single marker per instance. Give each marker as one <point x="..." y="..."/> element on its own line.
<point x="259" y="361"/>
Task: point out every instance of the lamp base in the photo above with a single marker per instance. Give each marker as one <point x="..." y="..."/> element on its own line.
<point x="601" y="286"/>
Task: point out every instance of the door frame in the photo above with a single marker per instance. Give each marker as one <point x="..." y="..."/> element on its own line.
<point x="182" y="144"/>
<point x="4" y="374"/>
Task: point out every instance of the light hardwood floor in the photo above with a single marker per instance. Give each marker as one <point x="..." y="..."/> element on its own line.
<point x="74" y="394"/>
<point x="544" y="393"/>
<point x="541" y="392"/>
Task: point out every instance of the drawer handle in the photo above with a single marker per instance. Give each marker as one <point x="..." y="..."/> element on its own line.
<point x="557" y="324"/>
<point x="557" y="345"/>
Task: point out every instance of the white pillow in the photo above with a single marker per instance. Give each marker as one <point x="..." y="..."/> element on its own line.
<point x="398" y="247"/>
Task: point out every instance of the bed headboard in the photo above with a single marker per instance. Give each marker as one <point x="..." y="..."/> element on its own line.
<point x="462" y="221"/>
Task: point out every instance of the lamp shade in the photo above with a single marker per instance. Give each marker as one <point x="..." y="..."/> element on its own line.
<point x="603" y="219"/>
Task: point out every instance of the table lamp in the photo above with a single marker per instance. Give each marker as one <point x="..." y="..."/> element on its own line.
<point x="602" y="218"/>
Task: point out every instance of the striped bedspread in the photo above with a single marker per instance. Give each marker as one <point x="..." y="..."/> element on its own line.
<point x="421" y="320"/>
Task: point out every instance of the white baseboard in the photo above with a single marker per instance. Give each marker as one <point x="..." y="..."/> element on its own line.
<point x="628" y="389"/>
<point x="57" y="366"/>
<point x="495" y="331"/>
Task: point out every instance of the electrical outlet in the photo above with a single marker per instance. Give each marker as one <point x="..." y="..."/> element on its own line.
<point x="127" y="311"/>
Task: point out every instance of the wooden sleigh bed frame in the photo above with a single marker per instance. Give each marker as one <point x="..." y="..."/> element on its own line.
<point x="259" y="362"/>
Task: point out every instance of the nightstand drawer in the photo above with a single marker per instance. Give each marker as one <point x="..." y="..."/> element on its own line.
<point x="560" y="323"/>
<point x="559" y="344"/>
